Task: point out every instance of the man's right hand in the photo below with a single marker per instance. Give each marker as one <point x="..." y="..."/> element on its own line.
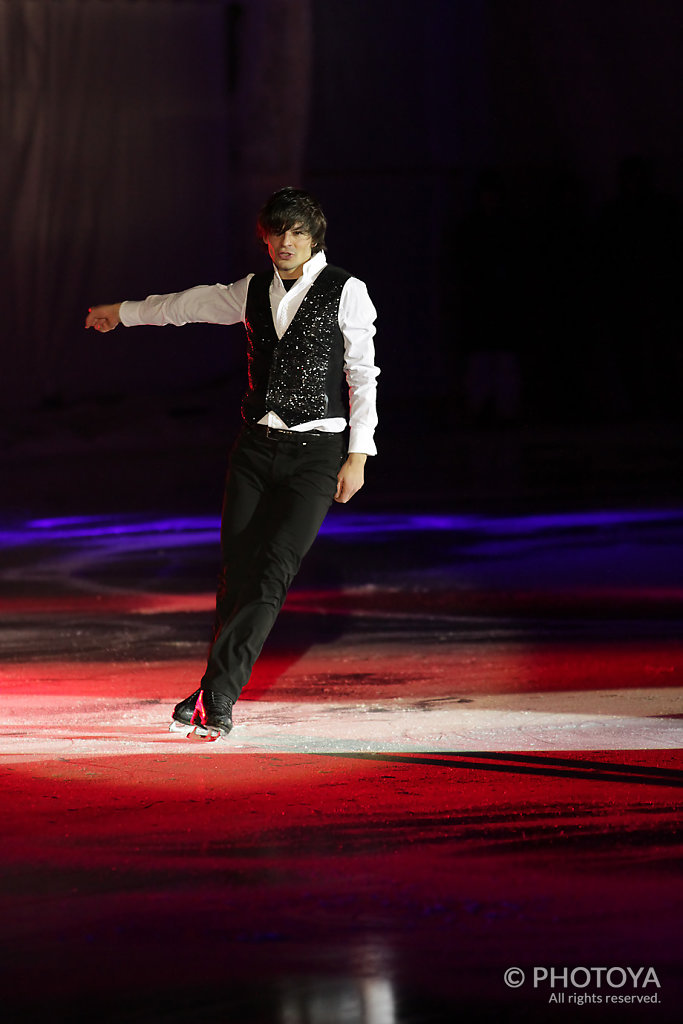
<point x="103" y="318"/>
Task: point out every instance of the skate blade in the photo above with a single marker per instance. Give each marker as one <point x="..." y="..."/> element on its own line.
<point x="180" y="727"/>
<point x="214" y="734"/>
<point x="187" y="730"/>
<point x="200" y="732"/>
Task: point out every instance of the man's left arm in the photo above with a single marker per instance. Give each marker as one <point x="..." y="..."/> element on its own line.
<point x="357" y="322"/>
<point x="351" y="476"/>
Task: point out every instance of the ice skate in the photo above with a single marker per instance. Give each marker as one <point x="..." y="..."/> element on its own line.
<point x="182" y="717"/>
<point x="212" y="714"/>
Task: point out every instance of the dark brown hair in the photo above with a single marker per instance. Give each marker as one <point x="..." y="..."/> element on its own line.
<point x="288" y="207"/>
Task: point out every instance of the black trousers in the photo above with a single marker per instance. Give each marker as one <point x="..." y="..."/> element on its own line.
<point x="277" y="494"/>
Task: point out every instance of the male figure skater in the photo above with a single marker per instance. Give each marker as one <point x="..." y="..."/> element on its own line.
<point x="311" y="375"/>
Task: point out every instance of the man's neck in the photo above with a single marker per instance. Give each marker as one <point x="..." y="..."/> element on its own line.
<point x="292" y="275"/>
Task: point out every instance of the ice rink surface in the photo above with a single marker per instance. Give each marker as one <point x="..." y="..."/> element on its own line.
<point x="459" y="755"/>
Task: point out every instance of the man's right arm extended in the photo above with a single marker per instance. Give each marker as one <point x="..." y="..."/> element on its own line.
<point x="212" y="304"/>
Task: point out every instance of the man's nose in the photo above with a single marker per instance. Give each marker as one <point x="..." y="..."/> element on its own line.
<point x="288" y="238"/>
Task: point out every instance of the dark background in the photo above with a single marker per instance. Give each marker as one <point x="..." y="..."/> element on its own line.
<point x="506" y="177"/>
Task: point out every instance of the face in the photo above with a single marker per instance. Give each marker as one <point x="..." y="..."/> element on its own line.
<point x="290" y="250"/>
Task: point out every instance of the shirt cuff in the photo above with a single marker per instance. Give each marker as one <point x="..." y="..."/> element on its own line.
<point x="361" y="441"/>
<point x="128" y="314"/>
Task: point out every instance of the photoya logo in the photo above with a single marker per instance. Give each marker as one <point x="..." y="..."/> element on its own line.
<point x="597" y="977"/>
<point x="563" y="978"/>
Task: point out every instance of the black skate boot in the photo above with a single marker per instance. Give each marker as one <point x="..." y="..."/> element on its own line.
<point x="182" y="714"/>
<point x="213" y="714"/>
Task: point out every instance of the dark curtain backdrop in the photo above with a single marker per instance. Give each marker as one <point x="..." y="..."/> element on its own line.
<point x="139" y="136"/>
<point x="129" y="153"/>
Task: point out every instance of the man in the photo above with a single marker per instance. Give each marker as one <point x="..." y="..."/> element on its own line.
<point x="311" y="375"/>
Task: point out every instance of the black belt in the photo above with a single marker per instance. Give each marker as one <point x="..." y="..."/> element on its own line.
<point x="295" y="436"/>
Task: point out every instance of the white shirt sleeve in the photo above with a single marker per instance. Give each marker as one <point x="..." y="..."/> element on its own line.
<point x="357" y="322"/>
<point x="206" y="303"/>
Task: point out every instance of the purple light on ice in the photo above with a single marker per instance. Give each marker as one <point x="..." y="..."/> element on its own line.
<point x="205" y="529"/>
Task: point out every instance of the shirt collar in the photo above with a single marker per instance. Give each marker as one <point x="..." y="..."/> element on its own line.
<point x="311" y="269"/>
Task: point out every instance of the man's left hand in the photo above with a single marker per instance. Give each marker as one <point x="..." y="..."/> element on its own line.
<point x="350" y="477"/>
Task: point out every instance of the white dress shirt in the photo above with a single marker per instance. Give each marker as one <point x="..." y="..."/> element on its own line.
<point x="226" y="304"/>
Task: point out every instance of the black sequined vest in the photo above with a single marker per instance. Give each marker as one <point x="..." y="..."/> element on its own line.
<point x="301" y="375"/>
